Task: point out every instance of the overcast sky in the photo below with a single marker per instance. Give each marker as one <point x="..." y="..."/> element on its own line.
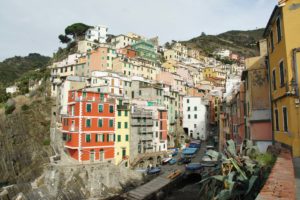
<point x="33" y="25"/>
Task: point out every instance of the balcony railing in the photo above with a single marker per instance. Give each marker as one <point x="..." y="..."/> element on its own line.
<point x="73" y="128"/>
<point x="145" y="130"/>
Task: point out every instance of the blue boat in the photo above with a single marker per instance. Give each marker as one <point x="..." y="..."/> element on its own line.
<point x="154" y="170"/>
<point x="193" y="167"/>
<point x="189" y="151"/>
<point x="172" y="161"/>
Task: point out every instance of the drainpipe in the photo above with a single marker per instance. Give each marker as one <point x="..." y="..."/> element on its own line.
<point x="270" y="95"/>
<point x="295" y="70"/>
<point x="295" y="77"/>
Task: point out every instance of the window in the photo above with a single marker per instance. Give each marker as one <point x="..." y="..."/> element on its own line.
<point x="99" y="138"/>
<point x="127" y="138"/>
<point x="188" y="101"/>
<point x="119" y="125"/>
<point x="189" y="108"/>
<point x="126" y="113"/>
<point x="102" y="97"/>
<point x="278" y="26"/>
<point x="140" y="92"/>
<point x="276" y="120"/>
<point x="195" y="116"/>
<point x="111" y="123"/>
<point x="195" y="108"/>
<point x="100" y="108"/>
<point x="189" y="116"/>
<point x="88" y="107"/>
<point x="88" y="123"/>
<point x="274" y="79"/>
<point x="281" y="68"/>
<point x="111" y="109"/>
<point x="88" y="137"/>
<point x="156" y="123"/>
<point x="195" y="125"/>
<point x="119" y="138"/>
<point x="285" y="119"/>
<point x="272" y="40"/>
<point x="100" y="123"/>
<point x="126" y="124"/>
<point x="119" y="113"/>
<point x="110" y="137"/>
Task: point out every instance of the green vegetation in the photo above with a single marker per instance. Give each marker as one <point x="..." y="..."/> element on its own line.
<point x="266" y="159"/>
<point x="76" y="31"/>
<point x="24" y="107"/>
<point x="46" y="142"/>
<point x="240" y="42"/>
<point x="9" y="108"/>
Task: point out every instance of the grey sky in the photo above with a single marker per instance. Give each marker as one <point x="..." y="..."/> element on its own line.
<point x="33" y="25"/>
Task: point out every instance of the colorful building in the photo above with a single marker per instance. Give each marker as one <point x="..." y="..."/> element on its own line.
<point x="89" y="127"/>
<point x="282" y="34"/>
<point x="122" y="140"/>
<point x="145" y="50"/>
<point x="258" y="102"/>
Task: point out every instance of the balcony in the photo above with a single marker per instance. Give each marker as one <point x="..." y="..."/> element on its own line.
<point x="145" y="130"/>
<point x="122" y="107"/>
<point x="73" y="128"/>
<point x="147" y="123"/>
<point x="141" y="115"/>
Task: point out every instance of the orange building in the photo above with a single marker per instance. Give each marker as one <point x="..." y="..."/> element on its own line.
<point x="89" y="127"/>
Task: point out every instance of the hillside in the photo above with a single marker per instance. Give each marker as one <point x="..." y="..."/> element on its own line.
<point x="240" y="42"/>
<point x="13" y="68"/>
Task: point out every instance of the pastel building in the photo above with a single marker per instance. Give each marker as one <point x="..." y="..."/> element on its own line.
<point x="97" y="33"/>
<point x="122" y="140"/>
<point x="194" y="117"/>
<point x="89" y="127"/>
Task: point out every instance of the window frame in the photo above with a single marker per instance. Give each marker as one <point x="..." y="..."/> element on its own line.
<point x="86" y="107"/>
<point x="281" y="73"/>
<point x="276" y="119"/>
<point x="285" y="128"/>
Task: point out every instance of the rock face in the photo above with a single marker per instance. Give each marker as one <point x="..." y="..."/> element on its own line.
<point x="24" y="142"/>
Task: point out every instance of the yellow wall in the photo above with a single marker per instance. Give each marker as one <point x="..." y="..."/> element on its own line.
<point x="290" y="25"/>
<point x="123" y="144"/>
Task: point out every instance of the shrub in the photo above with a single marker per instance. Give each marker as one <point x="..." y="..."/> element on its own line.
<point x="9" y="108"/>
<point x="46" y="142"/>
<point x="25" y="107"/>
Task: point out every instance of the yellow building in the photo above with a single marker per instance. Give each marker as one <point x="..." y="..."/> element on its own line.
<point x="169" y="66"/>
<point x="282" y="34"/>
<point x="209" y="72"/>
<point x="122" y="136"/>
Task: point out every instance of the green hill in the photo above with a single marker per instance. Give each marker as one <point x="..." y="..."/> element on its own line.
<point x="13" y="68"/>
<point x="240" y="42"/>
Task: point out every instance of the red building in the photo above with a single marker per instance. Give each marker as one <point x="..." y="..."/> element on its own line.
<point x="89" y="128"/>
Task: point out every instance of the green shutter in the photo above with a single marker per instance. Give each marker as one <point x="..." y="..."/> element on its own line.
<point x="119" y="138"/>
<point x="114" y="137"/>
<point x="102" y="97"/>
<point x="119" y="113"/>
<point x="102" y="136"/>
<point x="107" y="137"/>
<point x="96" y="137"/>
<point x="99" y="122"/>
<point x="111" y="123"/>
<point x="126" y="124"/>
<point x="100" y="108"/>
<point x="127" y="138"/>
<point x="87" y="137"/>
<point x="126" y="113"/>
<point x="88" y="122"/>
<point x="111" y="109"/>
<point x="88" y="107"/>
<point x="119" y="124"/>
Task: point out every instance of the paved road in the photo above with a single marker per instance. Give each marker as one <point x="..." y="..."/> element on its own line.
<point x="166" y="169"/>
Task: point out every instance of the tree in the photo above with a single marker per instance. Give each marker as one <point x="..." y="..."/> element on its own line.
<point x="167" y="45"/>
<point x="203" y="34"/>
<point x="77" y="30"/>
<point x="64" y="39"/>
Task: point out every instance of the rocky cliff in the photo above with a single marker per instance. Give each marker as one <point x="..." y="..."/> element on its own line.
<point x="24" y="140"/>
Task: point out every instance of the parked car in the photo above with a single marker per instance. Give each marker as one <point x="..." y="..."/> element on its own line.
<point x="184" y="160"/>
<point x="172" y="161"/>
<point x="165" y="161"/>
